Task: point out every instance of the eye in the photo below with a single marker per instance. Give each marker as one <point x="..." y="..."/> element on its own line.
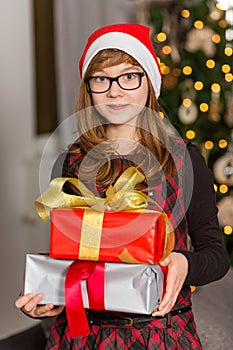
<point x="99" y="79"/>
<point x="130" y="76"/>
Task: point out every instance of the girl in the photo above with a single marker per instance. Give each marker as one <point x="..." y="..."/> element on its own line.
<point x="120" y="127"/>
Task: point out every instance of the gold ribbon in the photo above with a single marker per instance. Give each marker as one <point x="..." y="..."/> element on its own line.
<point x="91" y="235"/>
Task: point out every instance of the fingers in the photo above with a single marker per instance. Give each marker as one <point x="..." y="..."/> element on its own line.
<point x="168" y="300"/>
<point x="166" y="261"/>
<point x="42" y="310"/>
<point x="177" y="271"/>
<point x="47" y="310"/>
<point x="29" y="304"/>
<point x="54" y="312"/>
<point x="22" y="300"/>
<point x="167" y="303"/>
<point x="32" y="303"/>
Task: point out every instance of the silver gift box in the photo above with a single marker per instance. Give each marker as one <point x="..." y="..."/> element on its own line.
<point x="135" y="288"/>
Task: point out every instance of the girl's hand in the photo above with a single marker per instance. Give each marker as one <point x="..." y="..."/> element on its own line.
<point x="177" y="265"/>
<point x="29" y="304"/>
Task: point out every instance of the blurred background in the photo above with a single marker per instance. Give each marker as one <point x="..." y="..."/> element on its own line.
<point x="41" y="42"/>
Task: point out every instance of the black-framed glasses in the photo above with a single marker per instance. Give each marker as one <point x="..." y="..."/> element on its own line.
<point x="127" y="81"/>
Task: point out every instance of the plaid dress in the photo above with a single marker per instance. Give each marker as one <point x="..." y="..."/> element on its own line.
<point x="176" y="332"/>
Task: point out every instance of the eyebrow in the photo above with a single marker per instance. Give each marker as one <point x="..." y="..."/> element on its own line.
<point x="124" y="70"/>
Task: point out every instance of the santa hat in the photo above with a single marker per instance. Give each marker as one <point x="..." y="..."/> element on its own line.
<point x="134" y="39"/>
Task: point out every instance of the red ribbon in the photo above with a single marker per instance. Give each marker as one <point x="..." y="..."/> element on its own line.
<point x="93" y="273"/>
<point x="95" y="287"/>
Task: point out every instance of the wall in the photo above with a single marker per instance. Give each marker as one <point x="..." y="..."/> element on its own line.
<point x="19" y="166"/>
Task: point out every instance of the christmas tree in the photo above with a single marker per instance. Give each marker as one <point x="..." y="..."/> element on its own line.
<point x="194" y="43"/>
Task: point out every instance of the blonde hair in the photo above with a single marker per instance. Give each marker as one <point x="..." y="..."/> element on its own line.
<point x="150" y="130"/>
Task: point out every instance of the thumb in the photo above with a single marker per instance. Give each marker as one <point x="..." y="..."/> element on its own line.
<point x="165" y="262"/>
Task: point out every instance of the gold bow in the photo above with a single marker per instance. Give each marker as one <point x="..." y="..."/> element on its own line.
<point x="120" y="197"/>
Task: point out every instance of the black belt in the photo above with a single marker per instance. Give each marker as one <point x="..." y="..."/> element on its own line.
<point x="95" y="318"/>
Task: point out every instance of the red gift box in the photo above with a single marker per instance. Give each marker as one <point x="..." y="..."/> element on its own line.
<point x="133" y="237"/>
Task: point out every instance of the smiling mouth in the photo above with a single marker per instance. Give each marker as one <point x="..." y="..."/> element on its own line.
<point x="117" y="107"/>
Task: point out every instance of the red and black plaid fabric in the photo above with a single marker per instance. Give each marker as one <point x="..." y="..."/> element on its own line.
<point x="180" y="333"/>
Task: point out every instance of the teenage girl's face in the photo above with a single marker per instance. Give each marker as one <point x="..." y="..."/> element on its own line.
<point x="119" y="106"/>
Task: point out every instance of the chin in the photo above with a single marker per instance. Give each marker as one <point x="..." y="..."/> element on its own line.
<point x="119" y="121"/>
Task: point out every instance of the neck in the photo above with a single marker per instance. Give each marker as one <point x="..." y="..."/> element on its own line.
<point x="124" y="137"/>
<point x="121" y="131"/>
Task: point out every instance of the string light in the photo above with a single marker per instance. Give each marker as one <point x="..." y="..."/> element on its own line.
<point x="222" y="23"/>
<point x="165" y="70"/>
<point x="228" y="230"/>
<point x="228" y="51"/>
<point x="167" y="50"/>
<point x="187" y="70"/>
<point x="215" y="188"/>
<point x="226" y="68"/>
<point x="198" y="85"/>
<point x="222" y="143"/>
<point x="204" y="107"/>
<point x="187" y="102"/>
<point x="229" y="77"/>
<point x="209" y="145"/>
<point x="176" y="72"/>
<point x="190" y="134"/>
<point x="185" y="13"/>
<point x="215" y="87"/>
<point x="161" y="37"/>
<point x="198" y="24"/>
<point x="223" y="188"/>
<point x="210" y="64"/>
<point x="216" y="38"/>
<point x="161" y="114"/>
<point x="162" y="64"/>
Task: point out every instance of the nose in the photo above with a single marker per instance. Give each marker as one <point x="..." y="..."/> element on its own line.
<point x="115" y="90"/>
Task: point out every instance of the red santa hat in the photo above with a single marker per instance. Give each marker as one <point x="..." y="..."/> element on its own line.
<point x="134" y="39"/>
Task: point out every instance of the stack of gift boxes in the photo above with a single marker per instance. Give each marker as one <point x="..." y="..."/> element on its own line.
<point x="99" y="259"/>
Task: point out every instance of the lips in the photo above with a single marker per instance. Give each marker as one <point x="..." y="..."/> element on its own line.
<point x="117" y="107"/>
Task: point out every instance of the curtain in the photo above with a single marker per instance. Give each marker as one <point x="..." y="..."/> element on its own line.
<point x="74" y="21"/>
